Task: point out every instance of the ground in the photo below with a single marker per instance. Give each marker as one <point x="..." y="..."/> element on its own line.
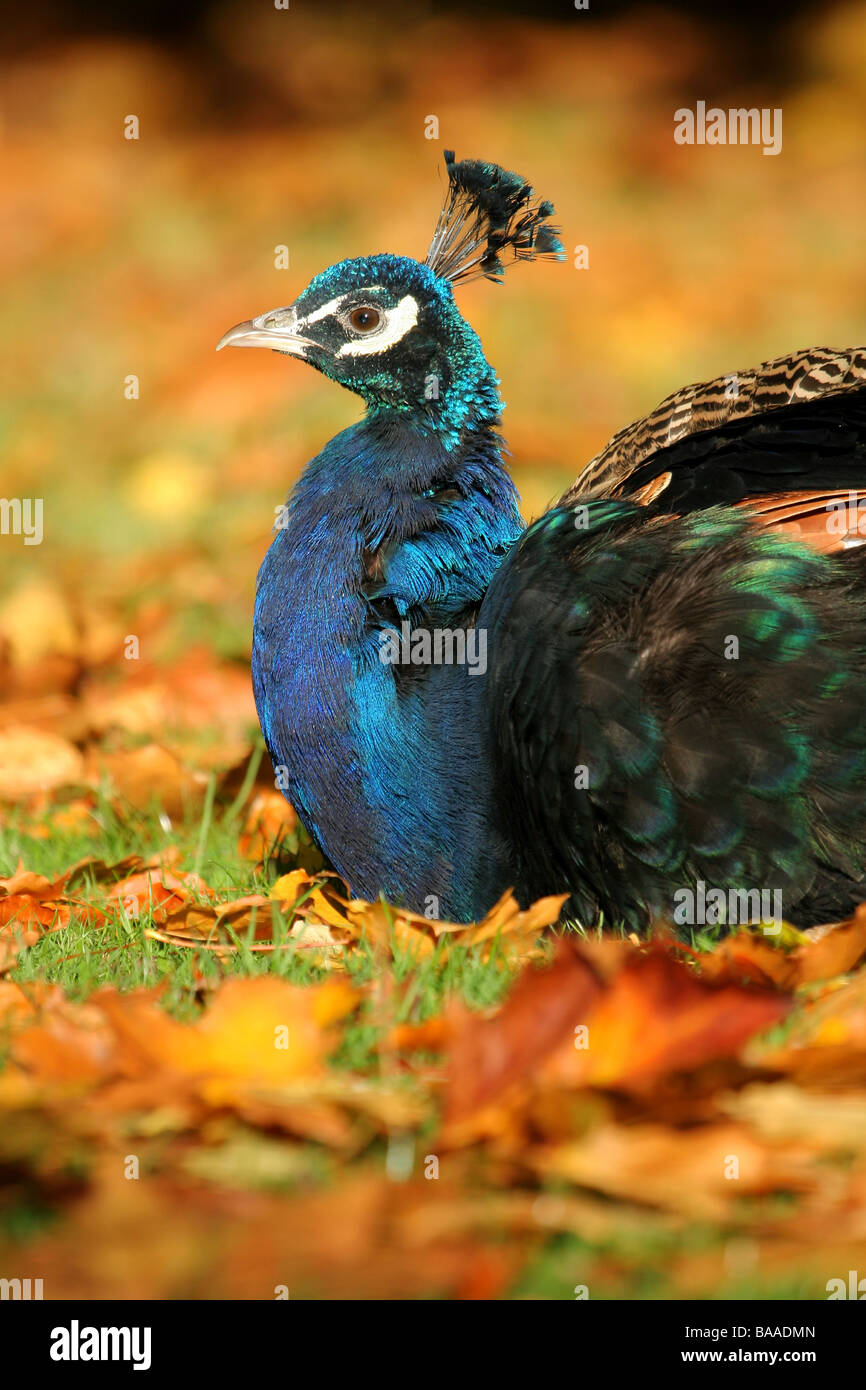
<point x="223" y="1079"/>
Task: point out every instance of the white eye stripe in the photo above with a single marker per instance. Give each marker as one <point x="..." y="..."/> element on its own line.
<point x="325" y="310"/>
<point x="333" y="306"/>
<point x="398" y="322"/>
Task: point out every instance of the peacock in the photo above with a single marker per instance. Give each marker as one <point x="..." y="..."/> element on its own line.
<point x="657" y="685"/>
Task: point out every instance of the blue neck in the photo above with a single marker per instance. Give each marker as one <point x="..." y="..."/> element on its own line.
<point x="388" y="765"/>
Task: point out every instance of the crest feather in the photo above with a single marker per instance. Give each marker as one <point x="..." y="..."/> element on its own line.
<point x="489" y="219"/>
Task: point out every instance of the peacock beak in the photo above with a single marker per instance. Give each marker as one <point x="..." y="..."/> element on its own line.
<point x="275" y="330"/>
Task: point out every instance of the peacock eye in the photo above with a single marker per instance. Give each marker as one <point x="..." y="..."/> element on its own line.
<point x="365" y="319"/>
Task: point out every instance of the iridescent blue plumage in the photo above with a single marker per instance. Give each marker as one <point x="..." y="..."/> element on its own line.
<point x="388" y="772"/>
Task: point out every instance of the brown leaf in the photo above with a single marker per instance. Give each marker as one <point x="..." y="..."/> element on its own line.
<point x="150" y="775"/>
<point x="686" y="1171"/>
<point x="25" y="911"/>
<point x="25" y="881"/>
<point x="487" y="1056"/>
<point x="160" y="889"/>
<point x="316" y="900"/>
<point x="13" y="939"/>
<point x="33" y="760"/>
<point x="269" y="821"/>
<point x="504" y="923"/>
<point x="258" y="1037"/>
<point x="38" y="886"/>
<point x="69" y="1045"/>
<point x="657" y="1017"/>
<point x="241" y="1034"/>
<point x="826" y="1045"/>
<point x="747" y="955"/>
<point x="835" y="953"/>
<point x="571" y="1026"/>
<point x="744" y="955"/>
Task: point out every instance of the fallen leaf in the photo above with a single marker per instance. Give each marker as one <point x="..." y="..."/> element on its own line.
<point x="686" y="1171"/>
<point x="657" y="1017"/>
<point x="160" y="890"/>
<point x="259" y="1029"/>
<point x="748" y="955"/>
<point x="270" y="820"/>
<point x="487" y="1056"/>
<point x="33" y="760"/>
<point x="570" y="1026"/>
<point x="150" y="775"/>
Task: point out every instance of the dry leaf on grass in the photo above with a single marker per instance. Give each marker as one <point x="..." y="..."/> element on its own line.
<point x="254" y="1029"/>
<point x="656" y="1017"/>
<point x="38" y="886"/>
<point x="158" y="889"/>
<point x="826" y="1044"/>
<point x="317" y="917"/>
<point x="752" y="956"/>
<point x="381" y="924"/>
<point x="259" y="1050"/>
<point x="31" y="904"/>
<point x="487" y="1056"/>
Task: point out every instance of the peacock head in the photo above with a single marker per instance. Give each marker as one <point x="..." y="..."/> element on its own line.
<point x="387" y="327"/>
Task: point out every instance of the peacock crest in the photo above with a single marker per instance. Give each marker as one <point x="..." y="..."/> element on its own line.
<point x="489" y="220"/>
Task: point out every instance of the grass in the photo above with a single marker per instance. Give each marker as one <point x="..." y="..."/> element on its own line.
<point x="119" y="953"/>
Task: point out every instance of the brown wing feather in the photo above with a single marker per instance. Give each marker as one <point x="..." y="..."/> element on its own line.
<point x="800" y="376"/>
<point x="826" y="521"/>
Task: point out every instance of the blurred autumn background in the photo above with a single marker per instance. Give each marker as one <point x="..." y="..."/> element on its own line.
<point x="142" y="897"/>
